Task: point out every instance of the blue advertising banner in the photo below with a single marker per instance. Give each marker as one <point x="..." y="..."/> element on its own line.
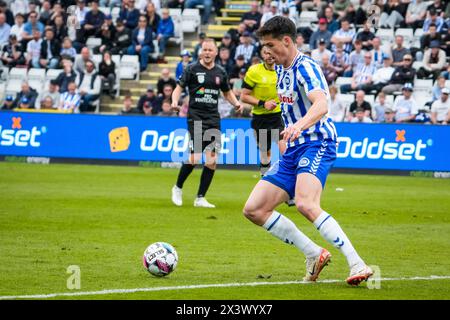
<point x="140" y="138"/>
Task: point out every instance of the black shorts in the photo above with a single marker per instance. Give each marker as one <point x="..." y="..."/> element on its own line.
<point x="267" y="128"/>
<point x="205" y="138"/>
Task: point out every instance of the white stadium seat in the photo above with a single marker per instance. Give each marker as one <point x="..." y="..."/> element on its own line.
<point x="91" y="43"/>
<point x="385" y="35"/>
<point x="191" y="20"/>
<point x="52" y="74"/>
<point x="423" y="85"/>
<point x="129" y="67"/>
<point x="18" y="74"/>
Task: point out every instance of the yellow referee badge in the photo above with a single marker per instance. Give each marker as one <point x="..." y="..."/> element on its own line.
<point x="119" y="139"/>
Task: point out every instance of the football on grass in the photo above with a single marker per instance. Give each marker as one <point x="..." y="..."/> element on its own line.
<point x="160" y="259"/>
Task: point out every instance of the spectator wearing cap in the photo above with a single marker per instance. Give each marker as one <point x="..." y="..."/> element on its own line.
<point x="389" y="116"/>
<point x="273" y="11"/>
<point x="366" y="36"/>
<point x="198" y="47"/>
<point x="344" y="35"/>
<point x="93" y="21"/>
<point x="5" y="30"/>
<point x="207" y="7"/>
<point x="246" y="48"/>
<point x="402" y="74"/>
<point x="440" y="109"/>
<point x="34" y="50"/>
<point x="107" y="72"/>
<point x="227" y="42"/>
<point x="433" y="18"/>
<point x="415" y="14"/>
<point x="359" y="103"/>
<point x="165" y="79"/>
<point x="8" y="104"/>
<point x="107" y="34"/>
<point x="166" y="30"/>
<point x="52" y="91"/>
<point x="360" y="117"/>
<point x="129" y="14"/>
<point x="121" y="40"/>
<point x="434" y="61"/>
<point x="18" y="28"/>
<point x="24" y="103"/>
<point x="26" y="92"/>
<point x="32" y="24"/>
<point x="318" y="53"/>
<point x="142" y="42"/>
<point x="362" y="78"/>
<point x="70" y="100"/>
<point x="398" y="51"/>
<point x="252" y="18"/>
<point x="153" y="17"/>
<point x="405" y="107"/>
<point x="147" y="101"/>
<point x="50" y="50"/>
<point x="380" y="107"/>
<point x="185" y="60"/>
<point x="321" y="33"/>
<point x="89" y="86"/>
<point x="12" y="54"/>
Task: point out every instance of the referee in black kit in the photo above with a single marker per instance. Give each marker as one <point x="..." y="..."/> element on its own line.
<point x="204" y="80"/>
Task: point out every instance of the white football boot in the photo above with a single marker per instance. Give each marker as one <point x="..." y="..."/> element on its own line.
<point x="177" y="196"/>
<point x="315" y="265"/>
<point x="203" y="203"/>
<point x="358" y="274"/>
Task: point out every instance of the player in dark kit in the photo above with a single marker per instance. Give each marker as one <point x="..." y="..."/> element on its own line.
<point x="204" y="80"/>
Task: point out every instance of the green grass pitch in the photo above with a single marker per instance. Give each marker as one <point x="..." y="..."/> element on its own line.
<point x="102" y="218"/>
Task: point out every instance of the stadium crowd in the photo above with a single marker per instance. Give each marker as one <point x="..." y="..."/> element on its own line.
<point x="379" y="69"/>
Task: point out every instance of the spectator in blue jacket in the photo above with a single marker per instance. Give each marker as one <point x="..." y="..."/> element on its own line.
<point x="142" y="42"/>
<point x="129" y="15"/>
<point x="185" y="60"/>
<point x="165" y="31"/>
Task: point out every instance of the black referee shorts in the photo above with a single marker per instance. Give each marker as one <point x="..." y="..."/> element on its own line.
<point x="208" y="138"/>
<point x="267" y="128"/>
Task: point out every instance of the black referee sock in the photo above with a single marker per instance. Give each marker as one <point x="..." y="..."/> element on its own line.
<point x="263" y="168"/>
<point x="205" y="181"/>
<point x="185" y="171"/>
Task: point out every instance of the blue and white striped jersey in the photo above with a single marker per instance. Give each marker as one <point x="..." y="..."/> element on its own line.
<point x="294" y="83"/>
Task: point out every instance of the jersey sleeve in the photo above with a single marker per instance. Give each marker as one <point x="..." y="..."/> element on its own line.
<point x="250" y="79"/>
<point x="311" y="77"/>
<point x="184" y="79"/>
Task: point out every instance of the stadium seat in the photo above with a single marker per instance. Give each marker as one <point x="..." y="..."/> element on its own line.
<point x="385" y="35"/>
<point x="52" y="74"/>
<point x="408" y="36"/>
<point x="18" y="74"/>
<point x="178" y="38"/>
<point x="423" y="85"/>
<point x="97" y="58"/>
<point x="347" y="100"/>
<point x="115" y="13"/>
<point x="91" y="43"/>
<point x="342" y="80"/>
<point x="175" y="13"/>
<point x="2" y="92"/>
<point x="36" y="79"/>
<point x="390" y="99"/>
<point x="417" y="64"/>
<point x="105" y="10"/>
<point x="370" y="98"/>
<point x="307" y="18"/>
<point x="191" y="20"/>
<point x="129" y="67"/>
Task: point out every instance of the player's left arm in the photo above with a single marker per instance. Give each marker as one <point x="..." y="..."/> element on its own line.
<point x="318" y="109"/>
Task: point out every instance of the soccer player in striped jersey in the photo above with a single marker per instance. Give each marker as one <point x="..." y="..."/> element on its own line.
<point x="302" y="170"/>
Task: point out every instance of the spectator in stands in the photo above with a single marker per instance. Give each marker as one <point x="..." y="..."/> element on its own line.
<point x="321" y="33"/>
<point x="317" y="54"/>
<point x="272" y="12"/>
<point x="198" y="47"/>
<point x="405" y="106"/>
<point x="439" y="7"/>
<point x="147" y="100"/>
<point x="80" y="61"/>
<point x="184" y="107"/>
<point x="93" y="22"/>
<point x="207" y="6"/>
<point x="355" y="58"/>
<point x="45" y="13"/>
<point x="121" y="41"/>
<point x="9" y="103"/>
<point x="433" y="18"/>
<point x="107" y="73"/>
<point x="434" y="61"/>
<point x="70" y="100"/>
<point x="382" y="76"/>
<point x="359" y="103"/>
<point x="34" y="50"/>
<point x="428" y="37"/>
<point x="344" y="35"/>
<point x="50" y="50"/>
<point x="393" y="14"/>
<point x="329" y="71"/>
<point x="240" y="63"/>
<point x="67" y="50"/>
<point x="437" y="88"/>
<point x="148" y="110"/>
<point x="389" y="116"/>
<point x="236" y="33"/>
<point x="398" y="51"/>
<point x="339" y="59"/>
<point x="19" y="27"/>
<point x="366" y="36"/>
<point x="246" y="48"/>
<point x="52" y="92"/>
<point x="66" y="76"/>
<point x="227" y="42"/>
<point x="152" y="16"/>
<point x="129" y="15"/>
<point x="47" y="103"/>
<point x="166" y="95"/>
<point x="402" y="74"/>
<point x="32" y="24"/>
<point x="415" y="14"/>
<point x="166" y="109"/>
<point x="332" y="23"/>
<point x="252" y="18"/>
<point x="340" y="7"/>
<point x="286" y="13"/>
<point x="224" y="60"/>
<point x="440" y="109"/>
<point x="60" y="29"/>
<point x="89" y="85"/>
<point x="360" y="117"/>
<point x="8" y="13"/>
<point x="81" y="11"/>
<point x="237" y="85"/>
<point x="24" y="103"/>
<point x="107" y="34"/>
<point x="166" y="30"/>
<point x="301" y="45"/>
<point x="12" y="54"/>
<point x="26" y="92"/>
<point x="164" y="80"/>
<point x="378" y="54"/>
<point x="185" y="60"/>
<point x="362" y="78"/>
<point x="57" y="10"/>
<point x="336" y="106"/>
<point x="128" y="106"/>
<point x="142" y="42"/>
<point x="380" y="107"/>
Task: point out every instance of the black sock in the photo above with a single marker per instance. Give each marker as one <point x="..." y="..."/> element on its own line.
<point x="205" y="181"/>
<point x="263" y="168"/>
<point x="184" y="173"/>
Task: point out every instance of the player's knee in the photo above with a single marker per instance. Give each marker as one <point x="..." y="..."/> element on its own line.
<point x="307" y="207"/>
<point x="253" y="213"/>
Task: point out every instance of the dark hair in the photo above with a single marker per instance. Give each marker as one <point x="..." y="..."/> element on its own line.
<point x="432" y="25"/>
<point x="277" y="27"/>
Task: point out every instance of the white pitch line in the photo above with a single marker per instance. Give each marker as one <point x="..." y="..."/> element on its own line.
<point x="201" y="286"/>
